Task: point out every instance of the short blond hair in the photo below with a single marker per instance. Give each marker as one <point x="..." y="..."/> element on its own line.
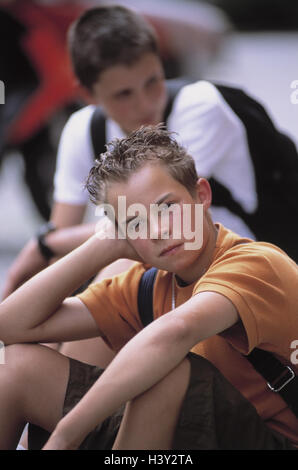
<point x="125" y="156"/>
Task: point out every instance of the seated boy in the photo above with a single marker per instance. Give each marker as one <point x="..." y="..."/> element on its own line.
<point x="183" y="381"/>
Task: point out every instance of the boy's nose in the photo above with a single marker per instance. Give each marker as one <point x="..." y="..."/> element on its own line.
<point x="145" y="106"/>
<point x="159" y="229"/>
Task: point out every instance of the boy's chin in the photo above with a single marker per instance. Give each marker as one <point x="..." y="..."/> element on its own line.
<point x="172" y="266"/>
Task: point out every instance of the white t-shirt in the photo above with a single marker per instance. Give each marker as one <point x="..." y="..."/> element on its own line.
<point x="204" y="124"/>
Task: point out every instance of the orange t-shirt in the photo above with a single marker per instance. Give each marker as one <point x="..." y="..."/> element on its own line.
<point x="262" y="283"/>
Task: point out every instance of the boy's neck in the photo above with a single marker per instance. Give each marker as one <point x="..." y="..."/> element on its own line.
<point x="180" y="281"/>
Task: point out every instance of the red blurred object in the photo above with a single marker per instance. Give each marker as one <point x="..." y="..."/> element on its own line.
<point x="45" y="46"/>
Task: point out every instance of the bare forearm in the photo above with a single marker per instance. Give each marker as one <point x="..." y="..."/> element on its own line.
<point x="30" y="260"/>
<point x="65" y="215"/>
<point x="63" y="241"/>
<point x="38" y="298"/>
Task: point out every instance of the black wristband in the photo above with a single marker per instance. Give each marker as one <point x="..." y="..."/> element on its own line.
<point x="44" y="249"/>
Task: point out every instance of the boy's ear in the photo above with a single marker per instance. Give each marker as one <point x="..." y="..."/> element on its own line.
<point x="204" y="192"/>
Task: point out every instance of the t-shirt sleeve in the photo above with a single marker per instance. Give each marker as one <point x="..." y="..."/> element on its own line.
<point x="74" y="159"/>
<point x="113" y="305"/>
<point x="261" y="282"/>
<point x="206" y="126"/>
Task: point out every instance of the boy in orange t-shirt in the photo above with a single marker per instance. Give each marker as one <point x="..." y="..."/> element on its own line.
<point x="182" y="382"/>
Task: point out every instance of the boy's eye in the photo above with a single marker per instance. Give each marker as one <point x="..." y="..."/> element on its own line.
<point x="165" y="206"/>
<point x="152" y="81"/>
<point x="123" y="94"/>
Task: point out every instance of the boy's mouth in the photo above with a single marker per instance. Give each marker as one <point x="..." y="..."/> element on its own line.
<point x="171" y="249"/>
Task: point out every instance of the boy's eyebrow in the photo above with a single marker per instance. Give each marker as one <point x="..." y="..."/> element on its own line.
<point x="163" y="198"/>
<point x="125" y="90"/>
<point x="159" y="201"/>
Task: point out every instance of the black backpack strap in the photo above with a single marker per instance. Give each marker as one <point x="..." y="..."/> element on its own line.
<point x="145" y="296"/>
<point x="275" y="161"/>
<point x="98" y="131"/>
<point x="280" y="378"/>
<point x="173" y="85"/>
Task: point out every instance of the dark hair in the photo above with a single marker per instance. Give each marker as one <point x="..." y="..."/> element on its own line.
<point x="106" y="36"/>
<point x="125" y="156"/>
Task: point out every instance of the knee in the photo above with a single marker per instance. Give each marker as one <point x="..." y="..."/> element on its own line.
<point x="16" y="353"/>
<point x="19" y="357"/>
<point x="25" y="361"/>
<point x="13" y="372"/>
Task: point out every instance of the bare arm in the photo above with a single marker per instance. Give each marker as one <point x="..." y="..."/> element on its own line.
<point x="64" y="240"/>
<point x="30" y="261"/>
<point x="28" y="315"/>
<point x="151" y="354"/>
<point x="65" y="215"/>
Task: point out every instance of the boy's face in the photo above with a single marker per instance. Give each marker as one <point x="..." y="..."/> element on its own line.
<point x="160" y="244"/>
<point x="133" y="95"/>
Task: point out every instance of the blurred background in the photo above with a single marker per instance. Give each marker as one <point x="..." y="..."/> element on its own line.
<point x="249" y="43"/>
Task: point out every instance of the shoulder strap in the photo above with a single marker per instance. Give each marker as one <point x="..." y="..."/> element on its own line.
<point x="266" y="142"/>
<point x="98" y="131"/>
<point x="173" y="85"/>
<point x="280" y="378"/>
<point x="145" y="296"/>
<point x="275" y="163"/>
